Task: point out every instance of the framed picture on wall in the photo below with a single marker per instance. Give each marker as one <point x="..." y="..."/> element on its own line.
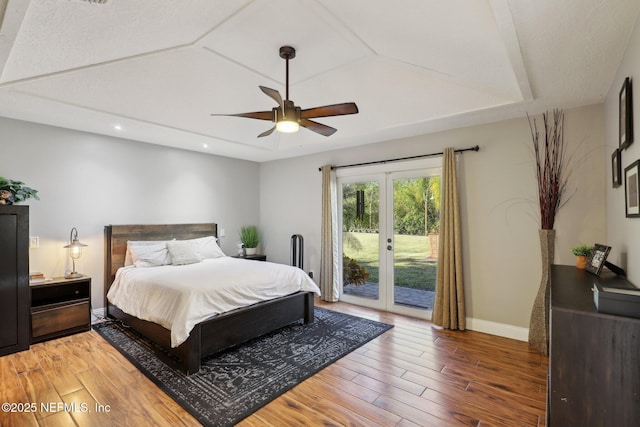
<point x="616" y="171"/>
<point x="626" y="115"/>
<point x="631" y="186"/>
<point x="598" y="257"/>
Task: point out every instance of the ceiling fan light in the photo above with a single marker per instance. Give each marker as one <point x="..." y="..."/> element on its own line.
<point x="287" y="126"/>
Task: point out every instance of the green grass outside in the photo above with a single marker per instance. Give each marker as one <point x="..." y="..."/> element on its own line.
<point x="412" y="270"/>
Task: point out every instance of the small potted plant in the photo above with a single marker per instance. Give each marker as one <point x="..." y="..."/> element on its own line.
<point x="12" y="191"/>
<point x="582" y="253"/>
<point x="250" y="238"/>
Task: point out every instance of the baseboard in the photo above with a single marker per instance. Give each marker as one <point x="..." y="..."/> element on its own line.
<point x="478" y="325"/>
<point x="499" y="329"/>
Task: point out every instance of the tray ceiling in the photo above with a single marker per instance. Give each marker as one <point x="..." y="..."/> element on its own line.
<point x="157" y="69"/>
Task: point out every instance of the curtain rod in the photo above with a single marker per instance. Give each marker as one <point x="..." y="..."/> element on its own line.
<point x="376" y="162"/>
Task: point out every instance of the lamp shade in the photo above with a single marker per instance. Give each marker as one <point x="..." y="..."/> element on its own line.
<point x="75" y="251"/>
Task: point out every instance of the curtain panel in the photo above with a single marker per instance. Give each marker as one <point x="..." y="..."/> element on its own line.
<point x="330" y="266"/>
<point x="449" y="307"/>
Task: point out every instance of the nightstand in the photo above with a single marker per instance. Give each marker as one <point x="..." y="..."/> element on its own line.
<point x="253" y="257"/>
<point x="60" y="307"/>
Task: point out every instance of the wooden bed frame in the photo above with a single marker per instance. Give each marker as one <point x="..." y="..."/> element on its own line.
<point x="210" y="336"/>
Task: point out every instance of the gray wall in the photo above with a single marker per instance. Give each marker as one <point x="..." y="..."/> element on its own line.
<point x="88" y="181"/>
<point x="499" y="208"/>
<point x="623" y="234"/>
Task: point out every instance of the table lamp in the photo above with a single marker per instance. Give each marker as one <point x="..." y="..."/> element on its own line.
<point x="75" y="251"/>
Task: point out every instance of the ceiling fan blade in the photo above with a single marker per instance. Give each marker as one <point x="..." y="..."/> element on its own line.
<point x="330" y="110"/>
<point x="260" y="115"/>
<point x="273" y="94"/>
<point x="318" y="127"/>
<point x="267" y="132"/>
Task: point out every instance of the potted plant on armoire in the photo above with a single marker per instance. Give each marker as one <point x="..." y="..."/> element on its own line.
<point x="551" y="175"/>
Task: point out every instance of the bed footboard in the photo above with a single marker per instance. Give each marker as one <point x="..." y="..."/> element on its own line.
<point x="241" y="325"/>
<point x="223" y="331"/>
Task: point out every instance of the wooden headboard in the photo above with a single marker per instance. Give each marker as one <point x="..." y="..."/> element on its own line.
<point x="116" y="237"/>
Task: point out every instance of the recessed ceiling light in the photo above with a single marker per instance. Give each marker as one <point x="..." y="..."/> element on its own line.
<point x="117" y="127"/>
<point x="205" y="145"/>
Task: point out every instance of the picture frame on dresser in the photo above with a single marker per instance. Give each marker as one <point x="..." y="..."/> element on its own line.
<point x="625" y="115"/>
<point x="597" y="259"/>
<point x="632" y="190"/>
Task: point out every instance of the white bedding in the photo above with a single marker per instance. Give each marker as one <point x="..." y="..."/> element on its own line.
<point x="180" y="296"/>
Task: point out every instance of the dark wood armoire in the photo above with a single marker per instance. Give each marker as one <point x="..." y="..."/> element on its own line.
<point x="14" y="279"/>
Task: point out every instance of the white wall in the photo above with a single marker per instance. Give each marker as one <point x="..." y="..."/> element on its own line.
<point x="499" y="216"/>
<point x="623" y="234"/>
<point x="88" y="181"/>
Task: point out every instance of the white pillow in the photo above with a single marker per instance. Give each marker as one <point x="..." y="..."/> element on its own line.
<point x="150" y="255"/>
<point x="207" y="247"/>
<point x="184" y="252"/>
<point x="128" y="259"/>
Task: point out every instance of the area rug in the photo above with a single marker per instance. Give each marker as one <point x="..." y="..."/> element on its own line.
<point x="233" y="384"/>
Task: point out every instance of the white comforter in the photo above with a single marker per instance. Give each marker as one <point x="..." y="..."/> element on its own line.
<point x="180" y="296"/>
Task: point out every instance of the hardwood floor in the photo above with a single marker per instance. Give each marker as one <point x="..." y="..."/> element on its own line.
<point x="411" y="375"/>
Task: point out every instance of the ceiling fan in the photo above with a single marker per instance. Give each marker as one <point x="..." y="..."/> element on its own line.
<point x="287" y="116"/>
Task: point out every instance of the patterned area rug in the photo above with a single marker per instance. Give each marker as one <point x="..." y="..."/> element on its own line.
<point x="233" y="384"/>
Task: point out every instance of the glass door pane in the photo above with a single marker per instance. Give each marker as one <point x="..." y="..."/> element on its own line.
<point x="416" y="223"/>
<point x="360" y="239"/>
<point x="390" y="226"/>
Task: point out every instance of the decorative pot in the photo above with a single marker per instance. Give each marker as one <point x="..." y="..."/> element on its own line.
<point x="250" y="251"/>
<point x="539" y="323"/>
<point x="6" y="197"/>
<point x="581" y="262"/>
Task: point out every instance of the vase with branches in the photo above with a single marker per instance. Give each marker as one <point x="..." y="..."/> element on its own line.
<point x="551" y="166"/>
<point x="552" y="171"/>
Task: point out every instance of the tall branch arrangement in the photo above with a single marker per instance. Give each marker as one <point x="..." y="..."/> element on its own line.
<point x="551" y="166"/>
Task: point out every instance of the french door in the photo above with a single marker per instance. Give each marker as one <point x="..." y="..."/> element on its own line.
<point x="389" y="222"/>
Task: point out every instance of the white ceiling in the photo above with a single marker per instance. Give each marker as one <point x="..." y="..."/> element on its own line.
<point x="159" y="68"/>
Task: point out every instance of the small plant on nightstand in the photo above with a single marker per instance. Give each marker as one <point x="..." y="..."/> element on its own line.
<point x="250" y="238"/>
<point x="582" y="253"/>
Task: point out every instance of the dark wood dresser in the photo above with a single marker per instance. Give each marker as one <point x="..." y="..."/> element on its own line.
<point x="594" y="359"/>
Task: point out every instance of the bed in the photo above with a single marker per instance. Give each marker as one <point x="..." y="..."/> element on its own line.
<point x="209" y="336"/>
